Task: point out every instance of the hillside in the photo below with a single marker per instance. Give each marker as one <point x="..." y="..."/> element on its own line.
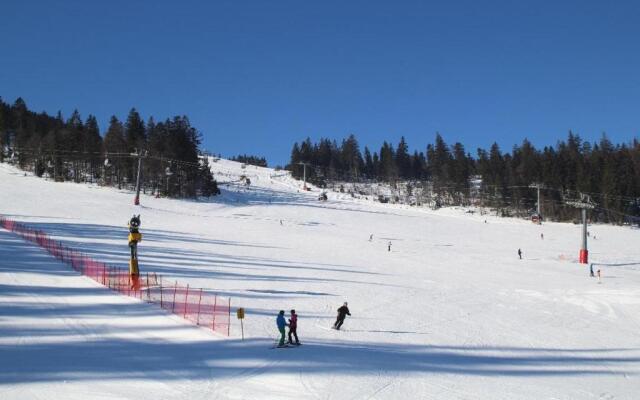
<point x="450" y="312"/>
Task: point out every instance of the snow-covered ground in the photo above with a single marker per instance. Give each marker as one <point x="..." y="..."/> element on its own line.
<point x="449" y="313"/>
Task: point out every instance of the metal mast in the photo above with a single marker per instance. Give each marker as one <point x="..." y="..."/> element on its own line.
<point x="538" y="186"/>
<point x="140" y="154"/>
<point x="304" y="174"/>
<point x="584" y="204"/>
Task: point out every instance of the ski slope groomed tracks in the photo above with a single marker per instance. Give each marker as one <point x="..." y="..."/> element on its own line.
<point x="449" y="313"/>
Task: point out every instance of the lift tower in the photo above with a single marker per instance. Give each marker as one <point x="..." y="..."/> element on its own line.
<point x="584" y="204"/>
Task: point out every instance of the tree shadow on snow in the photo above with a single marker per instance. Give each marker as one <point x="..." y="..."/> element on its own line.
<point x="108" y="244"/>
<point x="204" y="360"/>
<point x="91" y="352"/>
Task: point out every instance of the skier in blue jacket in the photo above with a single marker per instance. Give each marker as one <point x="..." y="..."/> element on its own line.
<point x="280" y="321"/>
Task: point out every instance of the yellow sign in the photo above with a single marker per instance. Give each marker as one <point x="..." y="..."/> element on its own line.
<point x="240" y="313"/>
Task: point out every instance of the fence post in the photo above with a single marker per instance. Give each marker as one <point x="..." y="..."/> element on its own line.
<point x="148" y="288"/>
<point x="161" y="292"/>
<point x="186" y="301"/>
<point x="199" y="301"/>
<point x="175" y="289"/>
<point x="213" y="320"/>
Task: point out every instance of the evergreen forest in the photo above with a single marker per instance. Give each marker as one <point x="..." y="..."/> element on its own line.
<point x="73" y="149"/>
<point x="602" y="174"/>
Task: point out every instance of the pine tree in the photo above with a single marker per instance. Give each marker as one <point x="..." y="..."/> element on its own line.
<point x="114" y="142"/>
<point x="389" y="170"/>
<point x="3" y="130"/>
<point x="403" y="163"/>
<point x="368" y="163"/>
<point x="460" y="171"/>
<point x="92" y="145"/>
<point x="294" y="167"/>
<point x="419" y="166"/>
<point x="135" y="132"/>
<point x="208" y="185"/>
<point x="439" y="162"/>
<point x="135" y="138"/>
<point x="351" y="158"/>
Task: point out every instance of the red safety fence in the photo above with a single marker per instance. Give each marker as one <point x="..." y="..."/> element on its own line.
<point x="197" y="305"/>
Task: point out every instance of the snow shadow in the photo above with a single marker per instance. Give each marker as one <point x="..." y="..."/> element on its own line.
<point x="624" y="264"/>
<point x="69" y="232"/>
<point x="77" y="360"/>
<point x="32" y="258"/>
<point x="90" y="351"/>
<point x="250" y="196"/>
<point x="108" y="244"/>
<point x="302" y="292"/>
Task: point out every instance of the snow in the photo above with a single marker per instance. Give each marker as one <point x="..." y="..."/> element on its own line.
<point x="449" y="313"/>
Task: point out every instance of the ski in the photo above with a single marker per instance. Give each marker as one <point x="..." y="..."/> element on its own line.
<point x="286" y="346"/>
<point x="281" y="347"/>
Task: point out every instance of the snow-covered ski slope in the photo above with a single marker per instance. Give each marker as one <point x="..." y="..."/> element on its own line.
<point x="449" y="313"/>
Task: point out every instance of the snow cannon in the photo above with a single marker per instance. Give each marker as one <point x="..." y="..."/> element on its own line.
<point x="134" y="238"/>
<point x="134" y="271"/>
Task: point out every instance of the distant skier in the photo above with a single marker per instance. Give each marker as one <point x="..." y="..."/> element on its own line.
<point x="389" y="247"/>
<point x="542" y="236"/>
<point x="281" y="325"/>
<point x="520" y="253"/>
<point x="371" y="237"/>
<point x="591" y="274"/>
<point x="293" y="327"/>
<point x="599" y="276"/>
<point x="280" y="222"/>
<point x="342" y="314"/>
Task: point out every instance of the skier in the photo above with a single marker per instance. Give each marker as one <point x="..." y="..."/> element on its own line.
<point x="599" y="276"/>
<point x="371" y="237"/>
<point x="591" y="271"/>
<point x="389" y="247"/>
<point x="542" y="236"/>
<point x="342" y="314"/>
<point x="281" y="325"/>
<point x="293" y="326"/>
<point x="520" y="253"/>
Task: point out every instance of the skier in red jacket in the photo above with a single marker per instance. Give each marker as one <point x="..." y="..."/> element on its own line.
<point x="293" y="326"/>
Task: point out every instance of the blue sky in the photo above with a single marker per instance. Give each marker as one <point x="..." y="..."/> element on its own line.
<point x="255" y="76"/>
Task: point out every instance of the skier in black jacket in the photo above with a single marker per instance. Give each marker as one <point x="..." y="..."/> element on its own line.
<point x="342" y="314"/>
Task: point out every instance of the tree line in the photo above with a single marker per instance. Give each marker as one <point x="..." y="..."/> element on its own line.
<point x="73" y="149"/>
<point x="608" y="173"/>
<point x="250" y="160"/>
